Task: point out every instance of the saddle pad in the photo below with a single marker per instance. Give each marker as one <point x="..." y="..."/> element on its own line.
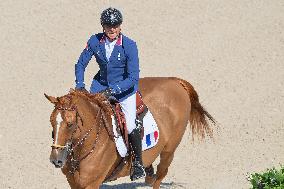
<point x="150" y="138"/>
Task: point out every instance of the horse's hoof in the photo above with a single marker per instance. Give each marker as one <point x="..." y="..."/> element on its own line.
<point x="150" y="180"/>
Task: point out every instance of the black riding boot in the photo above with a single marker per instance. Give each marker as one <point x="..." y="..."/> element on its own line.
<point x="137" y="170"/>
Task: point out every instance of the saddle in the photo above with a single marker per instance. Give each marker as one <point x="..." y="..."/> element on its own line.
<point x="141" y="110"/>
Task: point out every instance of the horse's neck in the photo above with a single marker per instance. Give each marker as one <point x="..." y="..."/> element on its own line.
<point x="104" y="145"/>
<point x="87" y="126"/>
<point x="86" y="111"/>
<point x="93" y="118"/>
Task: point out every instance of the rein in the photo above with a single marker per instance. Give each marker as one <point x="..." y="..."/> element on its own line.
<point x="75" y="162"/>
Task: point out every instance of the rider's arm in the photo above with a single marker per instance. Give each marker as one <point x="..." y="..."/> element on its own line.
<point x="132" y="69"/>
<point x="82" y="63"/>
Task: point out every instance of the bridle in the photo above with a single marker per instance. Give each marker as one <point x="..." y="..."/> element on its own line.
<point x="70" y="147"/>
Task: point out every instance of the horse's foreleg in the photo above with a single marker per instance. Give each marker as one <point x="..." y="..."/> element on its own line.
<point x="150" y="175"/>
<point x="166" y="159"/>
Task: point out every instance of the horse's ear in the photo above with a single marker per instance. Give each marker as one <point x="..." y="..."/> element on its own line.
<point x="51" y="98"/>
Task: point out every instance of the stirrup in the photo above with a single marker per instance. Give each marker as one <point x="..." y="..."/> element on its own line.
<point x="137" y="171"/>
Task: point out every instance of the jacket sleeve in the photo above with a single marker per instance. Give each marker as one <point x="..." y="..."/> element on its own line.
<point x="132" y="69"/>
<point x="81" y="65"/>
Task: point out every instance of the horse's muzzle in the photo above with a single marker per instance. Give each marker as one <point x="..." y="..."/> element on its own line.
<point x="57" y="163"/>
<point x="58" y="157"/>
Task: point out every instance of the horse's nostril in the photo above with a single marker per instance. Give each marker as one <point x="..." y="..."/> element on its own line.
<point x="57" y="163"/>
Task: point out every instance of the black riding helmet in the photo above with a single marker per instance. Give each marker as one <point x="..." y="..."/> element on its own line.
<point x="111" y="17"/>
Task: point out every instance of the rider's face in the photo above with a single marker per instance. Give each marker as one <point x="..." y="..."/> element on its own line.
<point x="112" y="31"/>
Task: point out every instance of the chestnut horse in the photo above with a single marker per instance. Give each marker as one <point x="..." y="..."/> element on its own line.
<point x="83" y="144"/>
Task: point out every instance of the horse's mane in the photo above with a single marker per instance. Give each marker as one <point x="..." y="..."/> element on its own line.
<point x="101" y="101"/>
<point x="98" y="99"/>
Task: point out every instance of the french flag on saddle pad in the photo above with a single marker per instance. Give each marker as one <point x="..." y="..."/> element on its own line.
<point x="151" y="139"/>
<point x="151" y="132"/>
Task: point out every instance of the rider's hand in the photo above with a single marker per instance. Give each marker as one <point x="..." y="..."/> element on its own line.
<point x="108" y="92"/>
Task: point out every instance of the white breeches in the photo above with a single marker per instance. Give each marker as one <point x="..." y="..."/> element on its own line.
<point x="129" y="109"/>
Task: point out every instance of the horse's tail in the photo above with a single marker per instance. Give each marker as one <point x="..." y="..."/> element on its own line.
<point x="198" y="122"/>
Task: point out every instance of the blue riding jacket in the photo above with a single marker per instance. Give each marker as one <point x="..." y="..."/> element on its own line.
<point x="120" y="72"/>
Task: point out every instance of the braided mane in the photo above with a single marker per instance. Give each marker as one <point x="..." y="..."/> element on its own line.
<point x="68" y="102"/>
<point x="98" y="99"/>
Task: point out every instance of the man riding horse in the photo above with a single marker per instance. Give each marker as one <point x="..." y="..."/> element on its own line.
<point x="117" y="57"/>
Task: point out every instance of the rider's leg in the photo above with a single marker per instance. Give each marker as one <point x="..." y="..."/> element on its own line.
<point x="129" y="109"/>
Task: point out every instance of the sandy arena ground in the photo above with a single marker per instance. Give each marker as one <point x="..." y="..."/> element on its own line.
<point x="231" y="51"/>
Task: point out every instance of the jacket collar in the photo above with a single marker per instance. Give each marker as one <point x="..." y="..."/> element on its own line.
<point x="118" y="42"/>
